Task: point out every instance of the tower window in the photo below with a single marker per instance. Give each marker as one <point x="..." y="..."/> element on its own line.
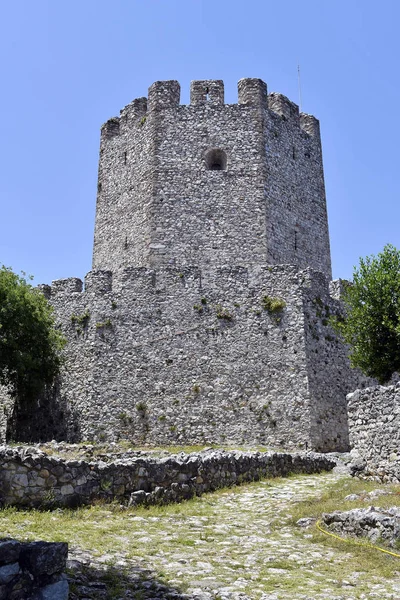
<point x="216" y="160"/>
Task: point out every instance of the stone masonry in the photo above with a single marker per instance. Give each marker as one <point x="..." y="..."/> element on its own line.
<point x="211" y="184"/>
<point x="376" y="524"/>
<point x="168" y="356"/>
<point x="206" y="316"/>
<point x="374" y="423"/>
<point x="31" y="478"/>
<point x="33" y="570"/>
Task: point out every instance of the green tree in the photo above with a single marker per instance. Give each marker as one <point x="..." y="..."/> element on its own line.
<point x="371" y="325"/>
<point x="30" y="346"/>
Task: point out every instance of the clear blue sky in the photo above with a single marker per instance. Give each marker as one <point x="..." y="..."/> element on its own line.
<point x="69" y="65"/>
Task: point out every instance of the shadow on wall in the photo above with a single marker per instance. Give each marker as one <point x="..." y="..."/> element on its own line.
<point x="102" y="583"/>
<point x="43" y="419"/>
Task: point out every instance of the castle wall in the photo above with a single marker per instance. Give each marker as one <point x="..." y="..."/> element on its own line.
<point x="161" y="201"/>
<point x="296" y="218"/>
<point x="170" y="356"/>
<point x="172" y="340"/>
<point x="329" y="375"/>
<point x="374" y="424"/>
<point x="125" y="189"/>
<point x="209" y="217"/>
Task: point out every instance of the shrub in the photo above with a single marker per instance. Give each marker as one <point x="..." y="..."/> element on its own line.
<point x="30" y="345"/>
<point x="371" y="323"/>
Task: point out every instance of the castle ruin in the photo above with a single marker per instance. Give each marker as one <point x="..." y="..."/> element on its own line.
<point x="205" y="318"/>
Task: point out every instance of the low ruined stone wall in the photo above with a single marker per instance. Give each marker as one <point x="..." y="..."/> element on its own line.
<point x="29" y="477"/>
<point x="374" y="427"/>
<point x="33" y="571"/>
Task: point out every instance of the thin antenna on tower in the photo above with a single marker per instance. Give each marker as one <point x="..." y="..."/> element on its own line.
<point x="298" y="78"/>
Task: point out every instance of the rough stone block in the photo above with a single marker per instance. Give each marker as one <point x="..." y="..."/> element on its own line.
<point x="8" y="572"/>
<point x="9" y="551"/>
<point x="54" y="591"/>
<point x="44" y="558"/>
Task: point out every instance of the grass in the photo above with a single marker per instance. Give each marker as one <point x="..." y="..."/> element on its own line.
<point x="89" y="450"/>
<point x="217" y="531"/>
<point x="335" y="494"/>
<point x="362" y="558"/>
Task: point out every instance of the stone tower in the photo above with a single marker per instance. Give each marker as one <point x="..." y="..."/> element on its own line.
<point x="207" y="216"/>
<point x="211" y="184"/>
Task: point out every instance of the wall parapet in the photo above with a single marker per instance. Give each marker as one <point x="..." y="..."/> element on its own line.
<point x="210" y="92"/>
<point x="100" y="281"/>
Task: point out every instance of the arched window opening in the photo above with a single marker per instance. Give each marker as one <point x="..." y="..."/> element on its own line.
<point x="216" y="160"/>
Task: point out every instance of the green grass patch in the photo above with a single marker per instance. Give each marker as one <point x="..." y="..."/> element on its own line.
<point x="245" y="534"/>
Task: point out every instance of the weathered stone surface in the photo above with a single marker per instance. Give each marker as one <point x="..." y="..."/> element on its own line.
<point x="44" y="558"/>
<point x="54" y="591"/>
<point x="137" y="478"/>
<point x="9" y="551"/>
<point x="373" y="523"/>
<point x="8" y="572"/>
<point x="211" y="183"/>
<point x="374" y="425"/>
<point x="36" y="574"/>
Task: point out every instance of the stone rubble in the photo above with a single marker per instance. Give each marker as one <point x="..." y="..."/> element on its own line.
<point x="376" y="524"/>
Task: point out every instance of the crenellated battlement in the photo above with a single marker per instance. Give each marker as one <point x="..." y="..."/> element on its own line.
<point x="209" y="91"/>
<point x="252" y="92"/>
<point x="170" y="281"/>
<point x="282" y="106"/>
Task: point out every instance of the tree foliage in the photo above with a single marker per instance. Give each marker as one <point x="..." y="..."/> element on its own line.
<point x="371" y="325"/>
<point x="30" y="346"/>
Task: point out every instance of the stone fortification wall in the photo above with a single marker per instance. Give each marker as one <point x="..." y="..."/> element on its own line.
<point x="374" y="425"/>
<point x="210" y="183"/>
<point x="329" y="374"/>
<point x="33" y="571"/>
<point x="29" y="477"/>
<point x="182" y="356"/>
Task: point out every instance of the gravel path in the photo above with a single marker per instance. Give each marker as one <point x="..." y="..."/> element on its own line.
<point x="230" y="546"/>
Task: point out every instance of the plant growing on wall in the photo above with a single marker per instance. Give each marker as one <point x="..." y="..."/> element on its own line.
<point x="81" y="321"/>
<point x="30" y="345"/>
<point x="371" y="324"/>
<point x="274" y="307"/>
<point x="273" y="304"/>
<point x="223" y="313"/>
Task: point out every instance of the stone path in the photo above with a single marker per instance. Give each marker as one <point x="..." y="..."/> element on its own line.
<point x="234" y="545"/>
